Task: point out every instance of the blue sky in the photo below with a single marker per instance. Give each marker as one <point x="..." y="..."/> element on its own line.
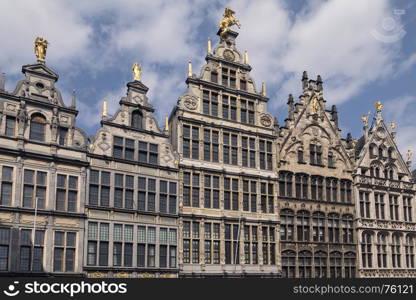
<point x="364" y="50"/>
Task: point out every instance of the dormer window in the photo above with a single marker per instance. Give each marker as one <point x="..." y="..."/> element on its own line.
<point x="62" y="133"/>
<point x="214" y="77"/>
<point x="229" y="78"/>
<point x="243" y="85"/>
<point x="37" y="128"/>
<point x="137" y="119"/>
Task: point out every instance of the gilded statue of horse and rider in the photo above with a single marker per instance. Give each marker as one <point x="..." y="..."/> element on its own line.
<point x="227" y="21"/>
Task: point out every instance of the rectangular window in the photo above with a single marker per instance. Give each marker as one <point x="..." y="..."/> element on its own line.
<point x="394" y="207"/>
<point x="4" y="248"/>
<point x="407" y="209"/>
<point x="190" y="142"/>
<point x="210" y="103"/>
<point x="266" y="156"/>
<point x="64" y="251"/>
<point x="231" y="236"/>
<point x="123" y="148"/>
<point x="62" y="135"/>
<point x="380" y="206"/>
<point x="6" y="186"/>
<point x="364" y="204"/>
<point x="34" y="189"/>
<point x="99" y="188"/>
<point x="31" y="251"/>
<point x="66" y="193"/>
<point x="211" y="145"/>
<point x="148" y="153"/>
<point x="10" y="126"/>
<point x="211" y="191"/>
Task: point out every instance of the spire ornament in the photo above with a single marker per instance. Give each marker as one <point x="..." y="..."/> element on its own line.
<point x="246" y="57"/>
<point x="263" y="89"/>
<point x="137" y="71"/>
<point x="40" y="48"/>
<point x="189" y="69"/>
<point x="167" y="123"/>
<point x="209" y="48"/>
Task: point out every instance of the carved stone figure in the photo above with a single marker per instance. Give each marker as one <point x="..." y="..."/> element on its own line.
<point x="54" y="125"/>
<point x="22" y="118"/>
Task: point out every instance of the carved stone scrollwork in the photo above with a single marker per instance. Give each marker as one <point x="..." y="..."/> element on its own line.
<point x="190" y="102"/>
<point x="266" y="120"/>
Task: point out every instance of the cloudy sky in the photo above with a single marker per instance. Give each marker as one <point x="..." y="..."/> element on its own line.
<point x="364" y="51"/>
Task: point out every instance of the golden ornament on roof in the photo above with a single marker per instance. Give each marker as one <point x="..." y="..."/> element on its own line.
<point x="378" y="106"/>
<point x="40" y="48"/>
<point x="227" y="21"/>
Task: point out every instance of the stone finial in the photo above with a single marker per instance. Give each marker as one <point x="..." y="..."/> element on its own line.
<point x="334" y="114"/>
<point x="2" y="81"/>
<point x="104" y="114"/>
<point x="409" y="155"/>
<point x="290" y="106"/>
<point x="209" y="49"/>
<point x="304" y="79"/>
<point x="167" y="123"/>
<point x="263" y="89"/>
<point x="246" y="57"/>
<point x="319" y="82"/>
<point x="74" y="99"/>
<point x="189" y="69"/>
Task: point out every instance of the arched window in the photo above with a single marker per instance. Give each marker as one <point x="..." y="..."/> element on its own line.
<point x="331" y="160"/>
<point x="303" y="222"/>
<point x="335" y="263"/>
<point x="391" y="174"/>
<point x="366" y="251"/>
<point x="317" y="183"/>
<point x="305" y="264"/>
<point x="318" y="224"/>
<point x="37" y="127"/>
<point x="315" y="152"/>
<point x="349" y="265"/>
<point x="378" y="172"/>
<point x="320" y="260"/>
<point x="380" y="152"/>
<point x="331" y="190"/>
<point x="289" y="264"/>
<point x="300" y="156"/>
<point x="395" y="251"/>
<point x="137" y="119"/>
<point x="410" y="251"/>
<point x="390" y="153"/>
<point x="382" y="250"/>
<point x="333" y="228"/>
<point x="287" y="217"/>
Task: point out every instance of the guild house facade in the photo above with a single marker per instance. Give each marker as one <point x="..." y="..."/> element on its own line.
<point x="222" y="190"/>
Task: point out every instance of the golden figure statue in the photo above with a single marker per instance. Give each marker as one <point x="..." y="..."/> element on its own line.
<point x="137" y="71"/>
<point x="40" y="48"/>
<point x="378" y="106"/>
<point x="314" y="106"/>
<point x="392" y="125"/>
<point x="228" y="21"/>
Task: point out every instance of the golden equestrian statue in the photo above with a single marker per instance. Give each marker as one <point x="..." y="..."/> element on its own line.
<point x="137" y="71"/>
<point x="40" y="48"/>
<point x="228" y="21"/>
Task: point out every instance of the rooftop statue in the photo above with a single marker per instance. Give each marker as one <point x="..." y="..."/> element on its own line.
<point x="40" y="48"/>
<point x="228" y="21"/>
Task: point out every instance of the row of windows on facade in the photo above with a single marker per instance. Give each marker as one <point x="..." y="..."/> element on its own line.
<point x="303" y="226"/>
<point x="304" y="264"/>
<point x="377" y="207"/>
<point x="148" y="194"/>
<point x="133" y="150"/>
<point x="228" y="147"/>
<point x="381" y="152"/>
<point x="154" y="247"/>
<point x="35" y="185"/>
<point x="315" y="156"/>
<point x="238" y="240"/>
<point x="228" y="79"/>
<point x="31" y="250"/>
<point x="255" y="195"/>
<point x="229" y="108"/>
<point x="375" y="250"/>
<point x="304" y="186"/>
<point x="382" y="172"/>
<point x="37" y="129"/>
